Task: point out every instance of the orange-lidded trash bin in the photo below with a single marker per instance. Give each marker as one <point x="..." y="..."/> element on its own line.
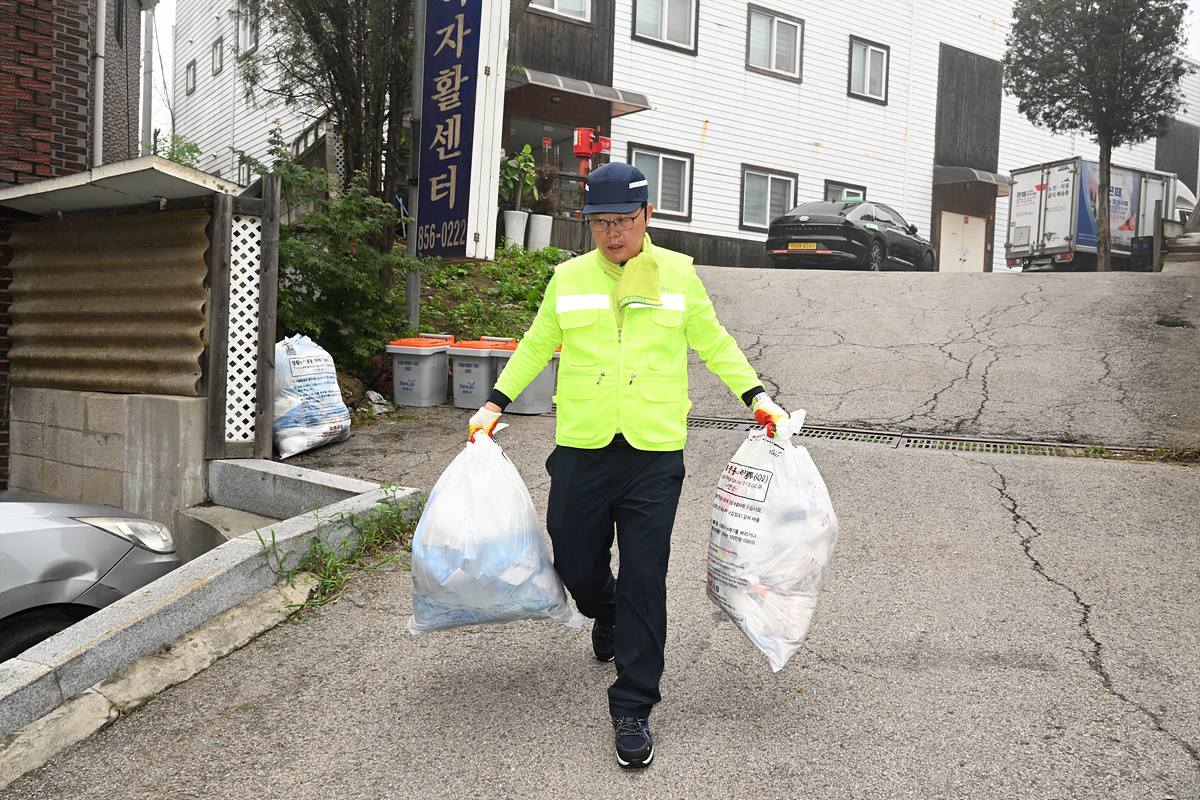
<point x="419" y="369"/>
<point x="538" y="396"/>
<point x="474" y="369"/>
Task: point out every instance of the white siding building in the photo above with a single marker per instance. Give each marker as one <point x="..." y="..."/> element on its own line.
<point x="211" y="108"/>
<point x="754" y="107"/>
<point x="719" y="116"/>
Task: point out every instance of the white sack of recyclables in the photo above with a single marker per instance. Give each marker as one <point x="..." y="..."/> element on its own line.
<point x="308" y="406"/>
<point x="772" y="538"/>
<point x="478" y="555"/>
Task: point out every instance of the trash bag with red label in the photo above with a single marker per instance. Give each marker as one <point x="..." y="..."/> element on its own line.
<point x="772" y="538"/>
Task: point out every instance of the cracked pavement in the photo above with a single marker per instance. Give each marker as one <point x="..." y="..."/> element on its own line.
<point x="1055" y="357"/>
<point x="992" y="626"/>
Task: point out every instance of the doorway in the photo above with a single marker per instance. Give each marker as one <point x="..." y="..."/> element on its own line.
<point x="962" y="243"/>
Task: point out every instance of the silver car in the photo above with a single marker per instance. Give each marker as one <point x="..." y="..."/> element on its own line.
<point x="60" y="560"/>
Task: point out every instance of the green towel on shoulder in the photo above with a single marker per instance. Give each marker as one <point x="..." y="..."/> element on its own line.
<point x="636" y="280"/>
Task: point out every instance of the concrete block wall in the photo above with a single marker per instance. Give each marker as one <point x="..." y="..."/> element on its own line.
<point x="145" y="453"/>
<point x="5" y="344"/>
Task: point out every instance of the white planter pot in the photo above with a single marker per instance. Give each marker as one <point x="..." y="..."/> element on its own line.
<point x="514" y="227"/>
<point x="540" y="226"/>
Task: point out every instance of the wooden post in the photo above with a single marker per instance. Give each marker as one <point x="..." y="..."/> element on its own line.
<point x="218" y="321"/>
<point x="268" y="293"/>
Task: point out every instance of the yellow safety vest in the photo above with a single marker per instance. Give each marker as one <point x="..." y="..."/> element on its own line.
<point x="632" y="380"/>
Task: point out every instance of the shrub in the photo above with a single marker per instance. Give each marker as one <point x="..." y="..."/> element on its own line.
<point x="334" y="286"/>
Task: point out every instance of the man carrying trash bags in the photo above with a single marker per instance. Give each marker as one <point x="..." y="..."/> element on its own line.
<point x="625" y="315"/>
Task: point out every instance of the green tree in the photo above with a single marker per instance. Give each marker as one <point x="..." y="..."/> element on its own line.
<point x="177" y="149"/>
<point x="352" y="59"/>
<point x="1105" y="68"/>
<point x="331" y="284"/>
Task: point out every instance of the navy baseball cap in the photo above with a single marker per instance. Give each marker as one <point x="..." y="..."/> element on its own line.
<point x="616" y="188"/>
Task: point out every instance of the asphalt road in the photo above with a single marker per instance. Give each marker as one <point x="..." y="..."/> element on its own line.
<point x="993" y="626"/>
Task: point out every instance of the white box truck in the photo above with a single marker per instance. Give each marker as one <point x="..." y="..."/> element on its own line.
<point x="1052" y="213"/>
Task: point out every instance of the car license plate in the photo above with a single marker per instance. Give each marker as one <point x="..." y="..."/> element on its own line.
<point x="1040" y="261"/>
<point x="802" y="245"/>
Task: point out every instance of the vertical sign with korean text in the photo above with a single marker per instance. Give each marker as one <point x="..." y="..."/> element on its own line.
<point x="452" y="35"/>
<point x="461" y="92"/>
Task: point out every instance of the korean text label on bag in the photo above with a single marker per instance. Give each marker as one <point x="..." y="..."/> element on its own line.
<point x="772" y="537"/>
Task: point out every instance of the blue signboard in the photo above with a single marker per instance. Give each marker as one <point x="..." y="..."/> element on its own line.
<point x="452" y="38"/>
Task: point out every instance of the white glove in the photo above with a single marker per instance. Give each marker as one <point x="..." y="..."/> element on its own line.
<point x="767" y="413"/>
<point x="483" y="420"/>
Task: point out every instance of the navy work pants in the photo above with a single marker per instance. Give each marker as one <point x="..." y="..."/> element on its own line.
<point x="637" y="491"/>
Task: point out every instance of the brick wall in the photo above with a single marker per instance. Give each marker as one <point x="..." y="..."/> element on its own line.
<point x="43" y="89"/>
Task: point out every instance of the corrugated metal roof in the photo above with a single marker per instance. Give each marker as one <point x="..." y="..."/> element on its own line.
<point x="123" y="183"/>
<point x="113" y="303"/>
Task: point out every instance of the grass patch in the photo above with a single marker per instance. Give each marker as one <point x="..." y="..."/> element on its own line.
<point x="1171" y="455"/>
<point x="382" y="536"/>
<point x="1098" y="450"/>
<point x="487" y="298"/>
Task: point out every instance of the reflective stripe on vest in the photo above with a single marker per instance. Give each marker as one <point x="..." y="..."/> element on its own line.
<point x="672" y="302"/>
<point x="578" y="302"/>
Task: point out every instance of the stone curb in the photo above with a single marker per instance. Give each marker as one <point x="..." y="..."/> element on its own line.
<point x="62" y="669"/>
<point x="131" y="686"/>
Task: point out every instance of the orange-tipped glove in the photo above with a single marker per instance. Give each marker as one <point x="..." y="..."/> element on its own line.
<point x="767" y="413"/>
<point x="484" y="420"/>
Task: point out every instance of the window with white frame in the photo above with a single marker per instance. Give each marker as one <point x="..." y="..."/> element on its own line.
<point x="669" y="176"/>
<point x="774" y="42"/>
<point x="247" y="28"/>
<point x="868" y="70"/>
<point x="668" y="22"/>
<point x="580" y="9"/>
<point x="189" y="77"/>
<point x="836" y="191"/>
<point x="766" y="194"/>
<point x="218" y="56"/>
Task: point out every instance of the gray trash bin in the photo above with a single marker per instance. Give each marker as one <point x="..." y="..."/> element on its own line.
<point x="474" y="368"/>
<point x="419" y="369"/>
<point x="538" y="396"/>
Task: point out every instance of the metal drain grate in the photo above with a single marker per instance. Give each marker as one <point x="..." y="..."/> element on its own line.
<point x="838" y="434"/>
<point x="719" y="424"/>
<point x="966" y="445"/>
<point x="868" y="437"/>
<point x="899" y="440"/>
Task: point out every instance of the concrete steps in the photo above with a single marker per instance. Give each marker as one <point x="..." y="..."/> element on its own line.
<point x="201" y="528"/>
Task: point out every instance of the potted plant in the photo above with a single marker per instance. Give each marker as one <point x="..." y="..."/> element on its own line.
<point x="517" y="179"/>
<point x="543" y="207"/>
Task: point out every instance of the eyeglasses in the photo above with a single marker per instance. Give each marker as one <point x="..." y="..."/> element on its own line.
<point x="620" y="223"/>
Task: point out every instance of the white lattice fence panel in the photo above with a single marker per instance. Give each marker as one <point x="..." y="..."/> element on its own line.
<point x="241" y="381"/>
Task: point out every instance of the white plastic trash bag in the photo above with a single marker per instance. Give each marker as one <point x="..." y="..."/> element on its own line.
<point x="309" y="410"/>
<point x="478" y="555"/>
<point x="773" y="533"/>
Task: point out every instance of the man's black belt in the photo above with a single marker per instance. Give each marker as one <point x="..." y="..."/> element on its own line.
<point x="619" y="442"/>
